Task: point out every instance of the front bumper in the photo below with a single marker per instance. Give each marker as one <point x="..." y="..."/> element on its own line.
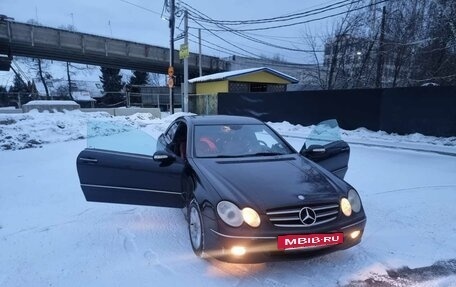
<point x="261" y="249"/>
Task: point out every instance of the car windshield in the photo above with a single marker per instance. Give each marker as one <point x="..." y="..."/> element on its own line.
<point x="237" y="141"/>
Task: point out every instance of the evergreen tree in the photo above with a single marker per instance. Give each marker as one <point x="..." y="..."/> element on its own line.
<point x="3" y="96"/>
<point x="19" y="91"/>
<point x="138" y="78"/>
<point x="19" y="86"/>
<point x="112" y="85"/>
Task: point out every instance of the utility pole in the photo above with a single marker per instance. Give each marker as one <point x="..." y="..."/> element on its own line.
<point x="70" y="91"/>
<point x="199" y="51"/>
<point x="381" y="51"/>
<point x="171" y="57"/>
<point x="185" y="108"/>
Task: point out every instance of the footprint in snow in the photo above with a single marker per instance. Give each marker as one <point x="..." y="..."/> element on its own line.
<point x="151" y="257"/>
<point x="126" y="211"/>
<point x="153" y="261"/>
<point x="128" y="240"/>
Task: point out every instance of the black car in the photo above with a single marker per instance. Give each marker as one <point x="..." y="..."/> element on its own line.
<point x="248" y="195"/>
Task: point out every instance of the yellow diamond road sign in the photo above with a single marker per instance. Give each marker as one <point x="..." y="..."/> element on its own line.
<point x="183" y="52"/>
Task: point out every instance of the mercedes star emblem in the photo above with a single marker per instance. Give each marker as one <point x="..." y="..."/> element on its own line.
<point x="307" y="216"/>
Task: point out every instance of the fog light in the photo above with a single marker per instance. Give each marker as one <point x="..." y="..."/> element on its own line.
<point x="238" y="250"/>
<point x="355" y="234"/>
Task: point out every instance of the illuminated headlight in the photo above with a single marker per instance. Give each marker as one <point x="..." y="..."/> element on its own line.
<point x="354" y="200"/>
<point x="238" y="250"/>
<point x="230" y="213"/>
<point x="251" y="217"/>
<point x="345" y="206"/>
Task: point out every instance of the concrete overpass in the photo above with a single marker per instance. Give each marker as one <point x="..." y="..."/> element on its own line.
<point x="20" y="39"/>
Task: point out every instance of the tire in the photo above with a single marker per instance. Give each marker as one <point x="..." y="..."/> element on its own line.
<point x="188" y="186"/>
<point x="196" y="228"/>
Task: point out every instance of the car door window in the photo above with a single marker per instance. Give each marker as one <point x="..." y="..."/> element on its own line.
<point x="324" y="133"/>
<point x="171" y="131"/>
<point x="119" y="136"/>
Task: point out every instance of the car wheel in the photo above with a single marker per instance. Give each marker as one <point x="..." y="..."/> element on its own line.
<point x="195" y="228"/>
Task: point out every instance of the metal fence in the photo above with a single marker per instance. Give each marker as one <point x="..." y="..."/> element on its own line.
<point x="426" y="110"/>
<point x="17" y="99"/>
<point x="203" y="104"/>
<point x="198" y="104"/>
<point x="156" y="100"/>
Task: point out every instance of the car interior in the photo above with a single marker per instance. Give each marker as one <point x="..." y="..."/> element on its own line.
<point x="179" y="143"/>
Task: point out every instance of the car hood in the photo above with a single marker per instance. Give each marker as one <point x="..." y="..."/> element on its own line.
<point x="268" y="182"/>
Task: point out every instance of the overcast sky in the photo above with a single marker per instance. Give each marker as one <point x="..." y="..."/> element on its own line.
<point x="123" y="20"/>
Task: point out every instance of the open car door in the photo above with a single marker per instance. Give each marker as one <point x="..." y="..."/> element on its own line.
<point x="325" y="147"/>
<point x="120" y="168"/>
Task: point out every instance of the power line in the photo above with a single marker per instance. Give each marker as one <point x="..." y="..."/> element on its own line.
<point x="224" y="49"/>
<point x="224" y="40"/>
<point x="220" y="47"/>
<point x="141" y="7"/>
<point x="232" y="51"/>
<point x="243" y="35"/>
<point x="301" y="22"/>
<point x="288" y="17"/>
<point x="256" y="40"/>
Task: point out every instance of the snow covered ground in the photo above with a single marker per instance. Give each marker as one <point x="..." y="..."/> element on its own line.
<point x="50" y="236"/>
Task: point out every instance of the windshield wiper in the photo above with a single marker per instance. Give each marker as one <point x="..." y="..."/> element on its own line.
<point x="250" y="154"/>
<point x="265" y="154"/>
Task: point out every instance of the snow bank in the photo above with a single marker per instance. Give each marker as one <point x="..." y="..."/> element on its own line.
<point x="19" y="131"/>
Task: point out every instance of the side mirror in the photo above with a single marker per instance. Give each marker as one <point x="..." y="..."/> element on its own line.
<point x="313" y="150"/>
<point x="163" y="156"/>
<point x="316" y="149"/>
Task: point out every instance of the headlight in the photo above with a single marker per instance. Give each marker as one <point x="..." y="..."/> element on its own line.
<point x="230" y="213"/>
<point x="345" y="206"/>
<point x="354" y="200"/>
<point x="251" y="217"/>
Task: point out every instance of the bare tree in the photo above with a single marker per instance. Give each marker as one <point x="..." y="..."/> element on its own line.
<point x="156" y="80"/>
<point x="315" y="74"/>
<point x="39" y="66"/>
<point x="436" y="58"/>
<point x="74" y="69"/>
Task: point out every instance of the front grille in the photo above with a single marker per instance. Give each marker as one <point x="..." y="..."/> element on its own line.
<point x="289" y="217"/>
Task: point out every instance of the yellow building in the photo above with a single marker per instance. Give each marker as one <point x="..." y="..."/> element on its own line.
<point x="243" y="81"/>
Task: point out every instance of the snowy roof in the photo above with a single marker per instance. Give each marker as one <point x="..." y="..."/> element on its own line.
<point x="82" y="96"/>
<point x="51" y="103"/>
<point x="237" y="73"/>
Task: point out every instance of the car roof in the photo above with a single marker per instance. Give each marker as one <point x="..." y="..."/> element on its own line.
<point x="221" y="119"/>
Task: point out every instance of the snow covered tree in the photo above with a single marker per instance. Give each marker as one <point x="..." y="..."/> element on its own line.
<point x="156" y="80"/>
